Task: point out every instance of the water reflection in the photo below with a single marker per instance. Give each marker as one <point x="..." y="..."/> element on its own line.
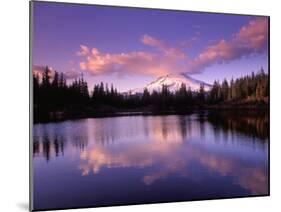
<point x="203" y="149"/>
<point x="48" y="147"/>
<point x="247" y="122"/>
<point x="50" y="140"/>
<point x="175" y="159"/>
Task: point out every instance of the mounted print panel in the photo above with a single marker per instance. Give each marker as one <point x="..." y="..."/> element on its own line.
<point x="136" y="106"/>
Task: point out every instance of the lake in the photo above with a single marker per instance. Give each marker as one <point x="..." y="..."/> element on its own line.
<point x="147" y="159"/>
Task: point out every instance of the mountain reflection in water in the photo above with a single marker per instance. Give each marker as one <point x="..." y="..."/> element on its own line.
<point x="204" y="149"/>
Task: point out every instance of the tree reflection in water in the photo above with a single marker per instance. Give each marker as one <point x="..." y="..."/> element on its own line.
<point x="248" y="123"/>
<point x="216" y="153"/>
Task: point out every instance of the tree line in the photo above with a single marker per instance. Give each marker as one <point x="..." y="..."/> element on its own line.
<point x="54" y="97"/>
<point x="254" y="87"/>
<point x="238" y="121"/>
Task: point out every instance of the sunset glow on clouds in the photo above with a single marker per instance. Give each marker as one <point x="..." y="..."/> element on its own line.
<point x="130" y="47"/>
<point x="138" y="62"/>
<point x="39" y="70"/>
<point x="163" y="47"/>
<point x="166" y="156"/>
<point x="250" y="40"/>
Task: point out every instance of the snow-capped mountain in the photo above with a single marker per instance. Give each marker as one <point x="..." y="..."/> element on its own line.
<point x="174" y="82"/>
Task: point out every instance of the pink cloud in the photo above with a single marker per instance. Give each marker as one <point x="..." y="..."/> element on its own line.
<point x="72" y="74"/>
<point x="139" y="62"/>
<point x="254" y="35"/>
<point x="250" y="39"/>
<point x="39" y="70"/>
<point x="164" y="47"/>
<point x="84" y="50"/>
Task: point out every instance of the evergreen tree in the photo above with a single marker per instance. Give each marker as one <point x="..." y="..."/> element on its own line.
<point x="146" y="97"/>
<point x="53" y="94"/>
<point x="224" y="90"/>
<point x="55" y="83"/>
<point x="46" y="77"/>
<point x="201" y="94"/>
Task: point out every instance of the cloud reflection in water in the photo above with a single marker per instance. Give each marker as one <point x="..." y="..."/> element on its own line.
<point x="170" y="146"/>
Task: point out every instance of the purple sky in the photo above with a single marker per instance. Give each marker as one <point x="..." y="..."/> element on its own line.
<point x="130" y="47"/>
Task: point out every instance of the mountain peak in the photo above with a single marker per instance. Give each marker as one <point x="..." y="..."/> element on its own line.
<point x="173" y="82"/>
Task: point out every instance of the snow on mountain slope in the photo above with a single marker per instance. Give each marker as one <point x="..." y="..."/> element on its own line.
<point x="173" y="81"/>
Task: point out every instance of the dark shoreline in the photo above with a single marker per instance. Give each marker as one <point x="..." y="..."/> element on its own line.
<point x="60" y="116"/>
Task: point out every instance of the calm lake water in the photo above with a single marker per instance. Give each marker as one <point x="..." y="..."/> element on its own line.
<point x="145" y="159"/>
